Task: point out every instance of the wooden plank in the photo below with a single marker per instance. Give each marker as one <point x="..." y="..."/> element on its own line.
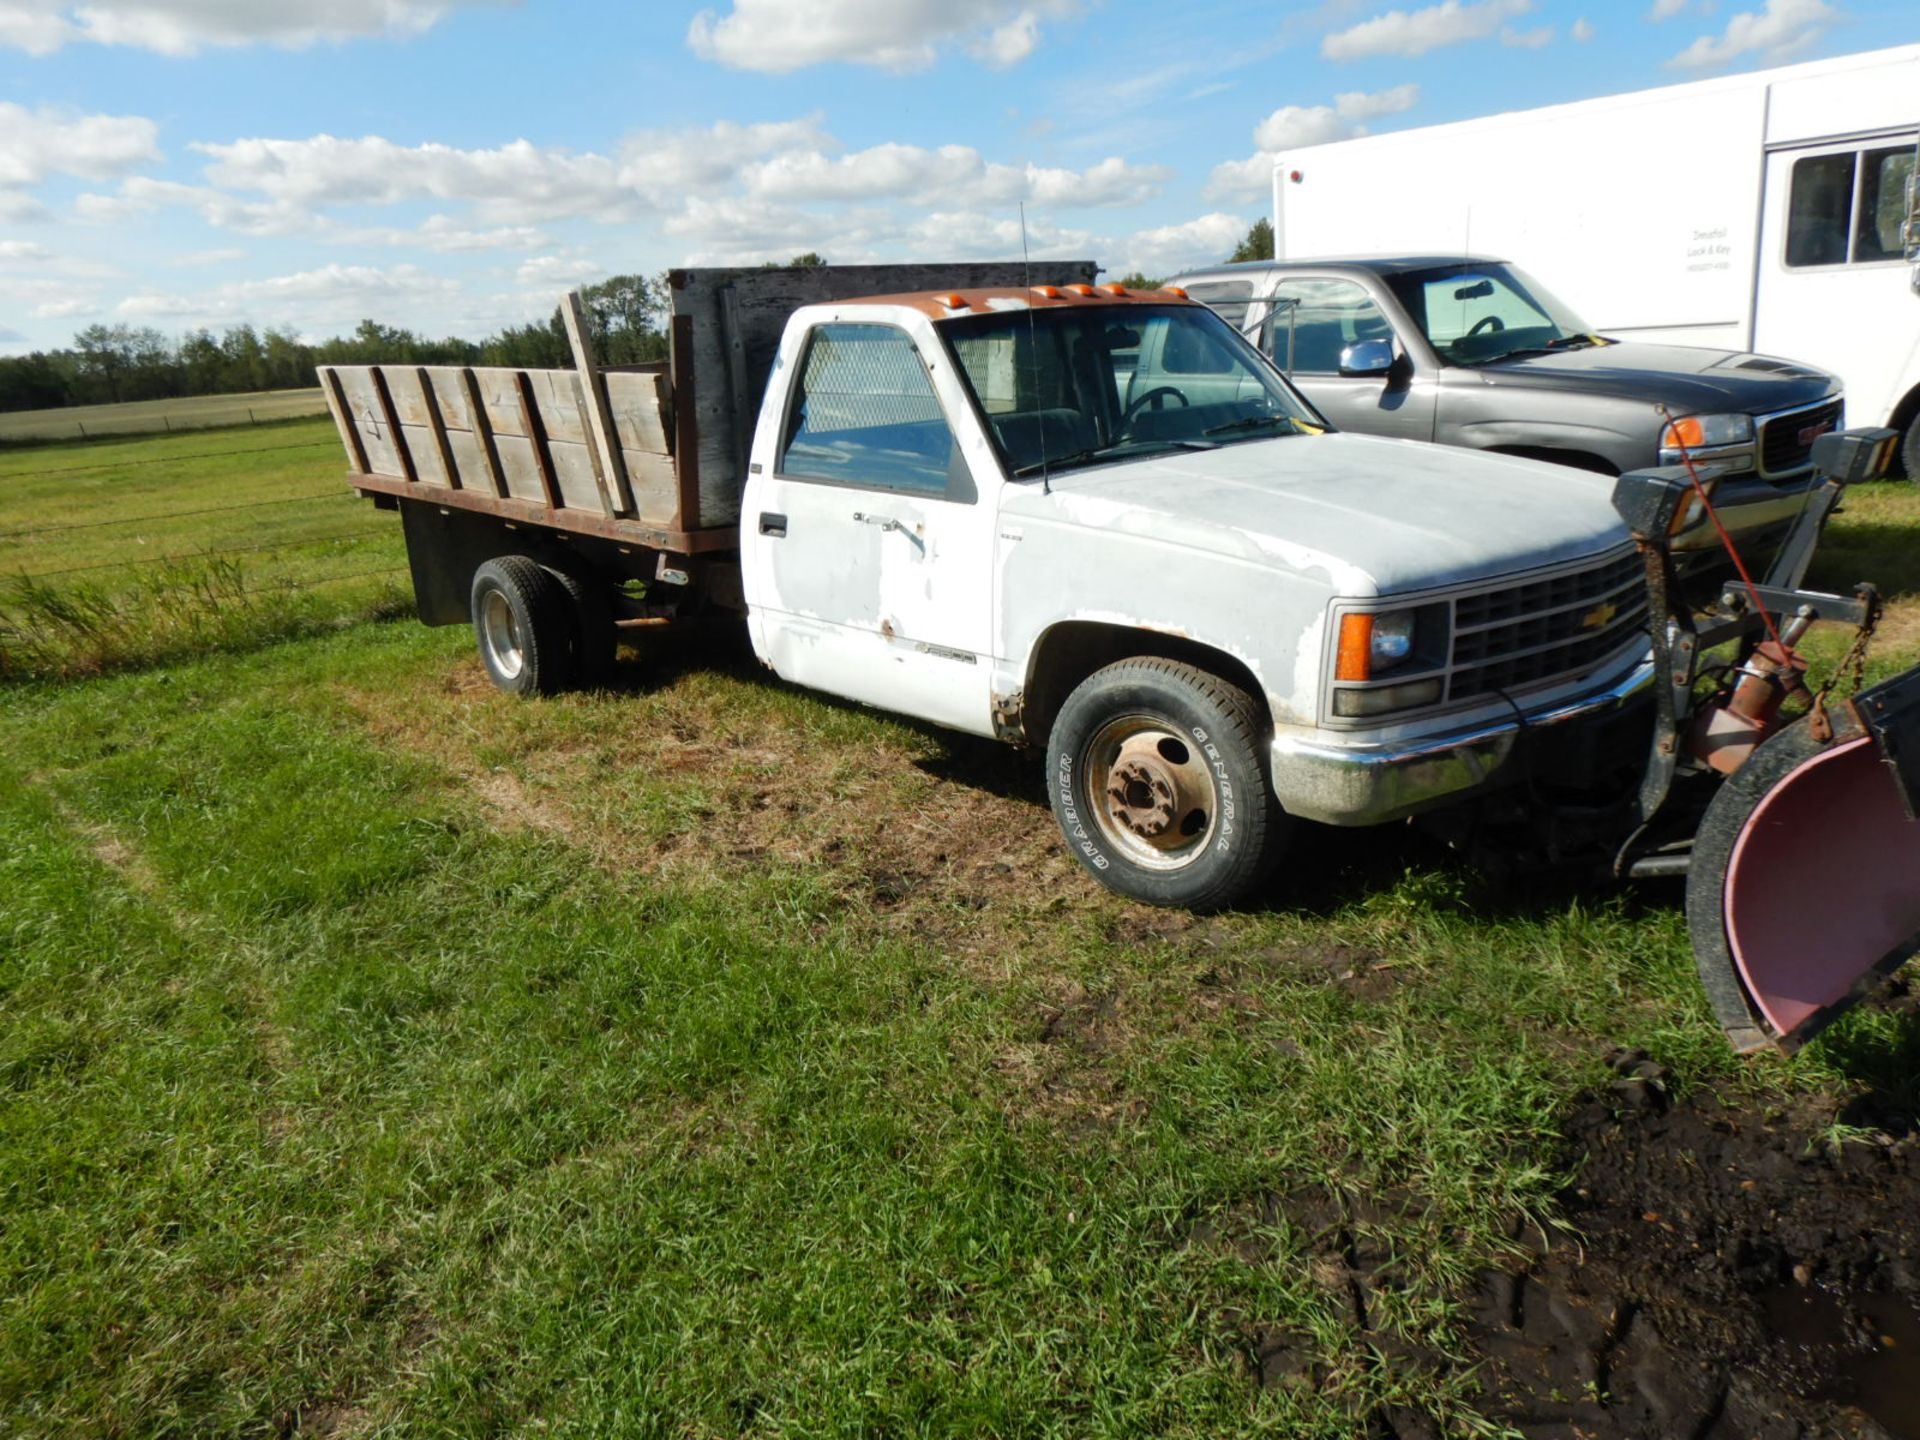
<point x="536" y="515"/>
<point x="600" y="484"/>
<point x="537" y="433"/>
<point x="385" y="397"/>
<point x="483" y="428"/>
<point x="598" y="416"/>
<point x="642" y="407"/>
<point x="343" y="417"/>
<point x="686" y="427"/>
<point x="437" y="424"/>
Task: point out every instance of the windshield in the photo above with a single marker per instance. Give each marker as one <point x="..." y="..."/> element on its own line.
<point x="1475" y="312"/>
<point x="1068" y="386"/>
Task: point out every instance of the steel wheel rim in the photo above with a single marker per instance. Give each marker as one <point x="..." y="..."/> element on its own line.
<point x="500" y="633"/>
<point x="1150" y="792"/>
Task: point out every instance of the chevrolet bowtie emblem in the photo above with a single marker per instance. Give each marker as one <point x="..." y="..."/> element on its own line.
<point x="1595" y="618"/>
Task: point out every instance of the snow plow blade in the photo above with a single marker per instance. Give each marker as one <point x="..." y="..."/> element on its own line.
<point x="1804" y="888"/>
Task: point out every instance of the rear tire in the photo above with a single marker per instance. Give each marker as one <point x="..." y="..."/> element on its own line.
<point x="522" y="619"/>
<point x="1159" y="787"/>
<point x="1910" y="449"/>
<point x="590" y="634"/>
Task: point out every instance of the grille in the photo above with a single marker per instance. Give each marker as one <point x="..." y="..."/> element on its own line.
<point x="1544" y="629"/>
<point x="1782" y="451"/>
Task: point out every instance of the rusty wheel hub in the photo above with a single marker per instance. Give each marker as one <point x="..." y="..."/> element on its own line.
<point x="1154" y="796"/>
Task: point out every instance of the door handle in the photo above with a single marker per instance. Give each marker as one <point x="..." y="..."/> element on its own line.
<point x="885" y="522"/>
<point x="772" y="524"/>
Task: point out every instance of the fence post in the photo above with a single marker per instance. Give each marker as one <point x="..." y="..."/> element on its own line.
<point x="83" y="428"/>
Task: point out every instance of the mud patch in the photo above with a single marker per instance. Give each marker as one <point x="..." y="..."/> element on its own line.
<point x="1734" y="1275"/>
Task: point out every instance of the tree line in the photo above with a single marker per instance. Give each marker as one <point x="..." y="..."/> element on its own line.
<point x="108" y="364"/>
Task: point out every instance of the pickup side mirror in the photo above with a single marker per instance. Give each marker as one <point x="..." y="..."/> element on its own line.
<point x="1367" y="357"/>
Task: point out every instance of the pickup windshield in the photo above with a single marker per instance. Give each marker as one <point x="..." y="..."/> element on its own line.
<point x="1060" y="387"/>
<point x="1477" y="312"/>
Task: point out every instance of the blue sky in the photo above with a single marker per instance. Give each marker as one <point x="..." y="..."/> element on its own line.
<point x="453" y="165"/>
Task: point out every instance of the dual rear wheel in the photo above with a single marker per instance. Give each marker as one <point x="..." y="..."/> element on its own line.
<point x="540" y="630"/>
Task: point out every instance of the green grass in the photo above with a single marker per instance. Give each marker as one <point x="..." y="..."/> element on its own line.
<point x="150" y="417"/>
<point x="208" y="541"/>
<point x="381" y="1055"/>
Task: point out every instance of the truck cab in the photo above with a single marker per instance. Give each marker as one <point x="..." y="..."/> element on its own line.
<point x="1099" y="521"/>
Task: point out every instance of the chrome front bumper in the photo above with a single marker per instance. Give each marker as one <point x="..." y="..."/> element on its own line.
<point x="1356" y="784"/>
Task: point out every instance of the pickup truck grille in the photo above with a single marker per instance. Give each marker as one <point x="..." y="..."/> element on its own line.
<point x="1545" y="629"/>
<point x="1786" y="440"/>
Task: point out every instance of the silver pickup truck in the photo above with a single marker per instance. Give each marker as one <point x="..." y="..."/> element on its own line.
<point x="1471" y="351"/>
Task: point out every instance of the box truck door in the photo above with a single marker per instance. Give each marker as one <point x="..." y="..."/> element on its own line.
<point x="1833" y="286"/>
<point x="867" y="552"/>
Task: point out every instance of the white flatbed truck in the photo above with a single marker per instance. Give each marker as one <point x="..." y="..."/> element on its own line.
<point x="1027" y="507"/>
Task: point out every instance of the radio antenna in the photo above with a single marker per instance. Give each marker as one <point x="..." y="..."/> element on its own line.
<point x="1033" y="354"/>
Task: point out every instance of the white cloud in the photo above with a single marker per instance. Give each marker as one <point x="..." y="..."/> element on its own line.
<point x="1293" y="127"/>
<point x="952" y="173"/>
<point x="194" y="259"/>
<point x="509" y="184"/>
<point x="559" y="272"/>
<point x="1581" y="31"/>
<point x="37" y="143"/>
<point x="778" y="36"/>
<point x="446" y="236"/>
<point x="1166" y="249"/>
<point x="181" y="27"/>
<point x="1411" y="33"/>
<point x="1667" y="9"/>
<point x="1012" y="42"/>
<point x="141" y="194"/>
<point x="1778" y="31"/>
<point x="23" y="252"/>
<point x="1535" y="39"/>
<point x="328" y="300"/>
<point x="970" y="235"/>
<point x="665" y="163"/>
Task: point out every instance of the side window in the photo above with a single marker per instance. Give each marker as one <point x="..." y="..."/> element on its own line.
<point x="1883" y="203"/>
<point x="1819" y="205"/>
<point x="1195" y="350"/>
<point x="864" y="413"/>
<point x="1229" y="297"/>
<point x="1314" y="320"/>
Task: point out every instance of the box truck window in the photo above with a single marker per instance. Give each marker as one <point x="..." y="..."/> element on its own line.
<point x="1883" y="203"/>
<point x="1827" y="224"/>
<point x="865" y="414"/>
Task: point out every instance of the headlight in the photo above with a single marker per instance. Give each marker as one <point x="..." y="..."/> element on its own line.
<point x="1376" y="648"/>
<point x="1704" y="432"/>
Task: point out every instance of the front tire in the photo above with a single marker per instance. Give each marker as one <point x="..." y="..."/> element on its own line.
<point x="1158" y="784"/>
<point x="522" y="620"/>
<point x="1910" y="449"/>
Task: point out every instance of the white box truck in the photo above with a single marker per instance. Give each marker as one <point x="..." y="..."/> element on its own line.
<point x="1770" y="211"/>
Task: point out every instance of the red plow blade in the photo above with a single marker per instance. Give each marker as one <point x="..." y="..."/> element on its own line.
<point x="1805" y="882"/>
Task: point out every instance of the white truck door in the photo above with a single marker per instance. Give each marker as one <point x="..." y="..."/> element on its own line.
<point x="866" y="544"/>
<point x="1832" y="286"/>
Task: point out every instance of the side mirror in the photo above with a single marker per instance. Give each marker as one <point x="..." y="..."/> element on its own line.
<point x="1367" y="357"/>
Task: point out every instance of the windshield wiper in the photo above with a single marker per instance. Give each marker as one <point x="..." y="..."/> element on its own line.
<point x="1251" y="422"/>
<point x="1102" y="452"/>
<point x="1574" y="342"/>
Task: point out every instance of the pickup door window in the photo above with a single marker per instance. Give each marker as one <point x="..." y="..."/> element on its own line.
<point x="1310" y="323"/>
<point x="868" y="550"/>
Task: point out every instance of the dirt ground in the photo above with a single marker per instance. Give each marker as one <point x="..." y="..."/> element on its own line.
<point x="1733" y="1274"/>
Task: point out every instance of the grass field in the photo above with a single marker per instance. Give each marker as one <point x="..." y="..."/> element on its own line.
<point x="127" y="551"/>
<point x="150" y="417"/>
<point x="381" y="1055"/>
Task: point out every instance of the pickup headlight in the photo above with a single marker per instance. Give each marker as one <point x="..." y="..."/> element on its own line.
<point x="1728" y="437"/>
<point x="1377" y="648"/>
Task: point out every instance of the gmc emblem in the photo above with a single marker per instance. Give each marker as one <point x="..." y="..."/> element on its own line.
<point x="1812" y="433"/>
